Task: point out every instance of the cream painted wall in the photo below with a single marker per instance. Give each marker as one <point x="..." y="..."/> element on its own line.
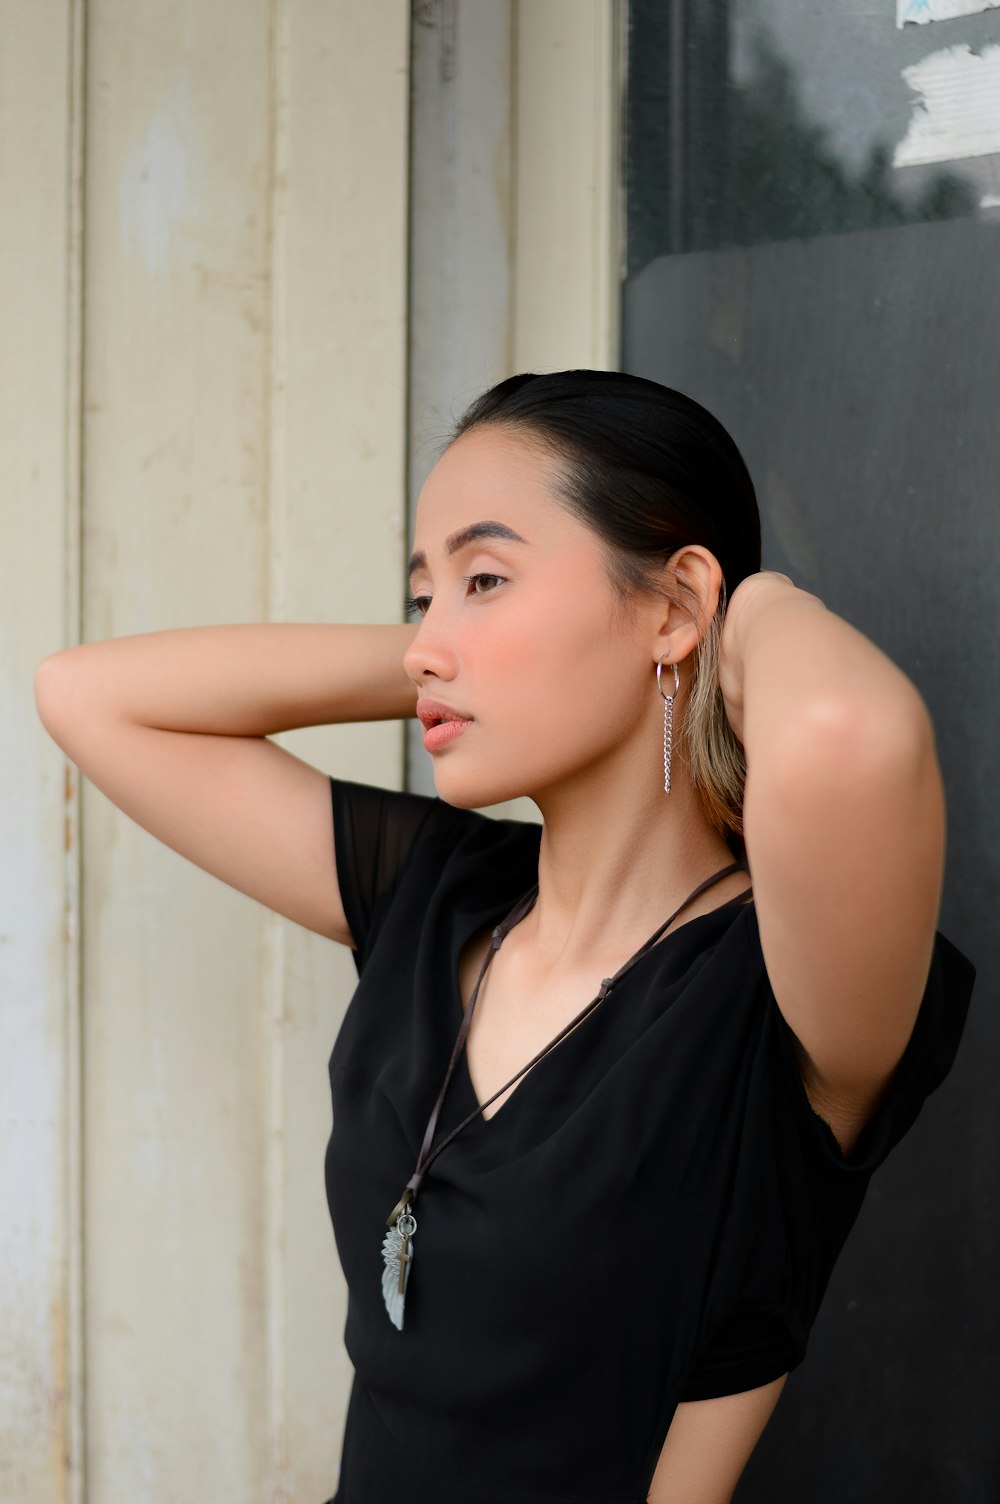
<point x="568" y="219"/>
<point x="204" y="378"/>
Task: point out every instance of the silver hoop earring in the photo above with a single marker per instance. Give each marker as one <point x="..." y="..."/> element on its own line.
<point x="668" y="721"/>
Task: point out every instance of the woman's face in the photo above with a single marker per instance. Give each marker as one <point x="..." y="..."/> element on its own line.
<point x="530" y="650"/>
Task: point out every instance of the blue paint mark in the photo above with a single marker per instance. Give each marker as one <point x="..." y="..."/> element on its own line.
<point x="918" y="8"/>
<point x="154" y="200"/>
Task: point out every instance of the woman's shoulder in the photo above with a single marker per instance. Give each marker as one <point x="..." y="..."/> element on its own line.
<point x="402" y="852"/>
<point x="381" y="811"/>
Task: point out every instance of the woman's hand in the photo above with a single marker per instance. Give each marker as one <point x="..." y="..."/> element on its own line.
<point x="750" y="596"/>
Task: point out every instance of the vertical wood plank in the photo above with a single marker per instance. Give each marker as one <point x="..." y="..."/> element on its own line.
<point x="175" y="532"/>
<point x="339" y="435"/>
<point x="40" y="1356"/>
<point x="246" y="434"/>
<point x="566" y="275"/>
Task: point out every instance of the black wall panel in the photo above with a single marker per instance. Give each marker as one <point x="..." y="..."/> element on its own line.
<point x="846" y="329"/>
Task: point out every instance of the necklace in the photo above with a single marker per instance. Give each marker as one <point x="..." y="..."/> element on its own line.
<point x="397" y="1244"/>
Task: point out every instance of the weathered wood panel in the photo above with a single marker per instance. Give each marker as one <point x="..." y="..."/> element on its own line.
<point x="245" y="430"/>
<point x="40" y="1390"/>
<point x="204" y="370"/>
<point x="338" y="546"/>
<point x="176" y="387"/>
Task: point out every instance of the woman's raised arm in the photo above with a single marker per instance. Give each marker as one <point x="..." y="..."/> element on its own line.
<point x="172" y="727"/>
<point x="844" y="828"/>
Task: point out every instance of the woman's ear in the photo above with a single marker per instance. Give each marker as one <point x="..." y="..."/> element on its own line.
<point x="693" y="575"/>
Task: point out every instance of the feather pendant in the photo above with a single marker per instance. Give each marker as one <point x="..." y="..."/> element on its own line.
<point x="397" y="1251"/>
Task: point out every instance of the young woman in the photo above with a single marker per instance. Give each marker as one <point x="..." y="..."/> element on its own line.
<point x="610" y="1091"/>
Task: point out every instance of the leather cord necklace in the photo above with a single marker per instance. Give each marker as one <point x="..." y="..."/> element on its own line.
<point x="397" y="1245"/>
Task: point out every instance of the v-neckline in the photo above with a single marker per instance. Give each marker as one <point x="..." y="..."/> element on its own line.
<point x="458" y="1005"/>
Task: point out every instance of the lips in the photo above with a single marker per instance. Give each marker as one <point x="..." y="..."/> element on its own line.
<point x="433" y="712"/>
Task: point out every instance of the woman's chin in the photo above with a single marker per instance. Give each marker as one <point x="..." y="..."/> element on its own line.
<point x="469" y="789"/>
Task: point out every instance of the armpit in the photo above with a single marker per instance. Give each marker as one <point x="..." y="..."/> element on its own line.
<point x="844" y="1118"/>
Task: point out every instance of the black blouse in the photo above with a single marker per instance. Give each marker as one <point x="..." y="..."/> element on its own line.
<point x="651" y="1216"/>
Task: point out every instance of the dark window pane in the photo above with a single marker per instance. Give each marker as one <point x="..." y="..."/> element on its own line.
<point x="755" y="120"/>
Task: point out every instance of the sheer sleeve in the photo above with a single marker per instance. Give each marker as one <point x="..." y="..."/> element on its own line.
<point x="374" y="832"/>
<point x="766" y="1330"/>
<point x="752" y="1347"/>
<point x="929" y="1055"/>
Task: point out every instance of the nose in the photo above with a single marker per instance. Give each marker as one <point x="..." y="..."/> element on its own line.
<point x="428" y="653"/>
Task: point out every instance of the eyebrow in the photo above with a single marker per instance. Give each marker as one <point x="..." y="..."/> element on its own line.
<point x="464" y="536"/>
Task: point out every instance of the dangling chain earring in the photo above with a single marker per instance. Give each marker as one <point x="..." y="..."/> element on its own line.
<point x="668" y="721"/>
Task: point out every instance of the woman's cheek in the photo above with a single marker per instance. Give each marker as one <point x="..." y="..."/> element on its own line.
<point x="511" y="646"/>
<point x="535" y="659"/>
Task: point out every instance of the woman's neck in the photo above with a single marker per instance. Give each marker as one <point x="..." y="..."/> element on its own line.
<point x="612" y="866"/>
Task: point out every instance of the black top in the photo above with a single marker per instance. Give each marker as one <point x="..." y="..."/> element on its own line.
<point x="651" y="1216"/>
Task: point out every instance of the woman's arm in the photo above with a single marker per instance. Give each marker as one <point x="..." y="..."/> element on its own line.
<point x="251" y="679"/>
<point x="844" y="827"/>
<point x="709" y="1444"/>
<point x="173" y="728"/>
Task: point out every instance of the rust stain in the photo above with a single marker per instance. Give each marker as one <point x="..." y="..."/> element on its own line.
<point x="69" y="789"/>
<point x="58" y="1417"/>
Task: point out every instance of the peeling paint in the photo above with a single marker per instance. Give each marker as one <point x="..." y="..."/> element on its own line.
<point x="153" y="192"/>
<point x="919" y="12"/>
<point x="956" y="113"/>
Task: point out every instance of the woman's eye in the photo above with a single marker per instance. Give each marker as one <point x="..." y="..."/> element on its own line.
<point x="419" y="605"/>
<point x="471" y="579"/>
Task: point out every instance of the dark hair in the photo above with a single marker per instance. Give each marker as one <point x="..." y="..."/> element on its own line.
<point x="650" y="471"/>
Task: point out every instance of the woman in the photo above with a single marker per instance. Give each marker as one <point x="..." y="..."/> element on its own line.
<point x="610" y="1090"/>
